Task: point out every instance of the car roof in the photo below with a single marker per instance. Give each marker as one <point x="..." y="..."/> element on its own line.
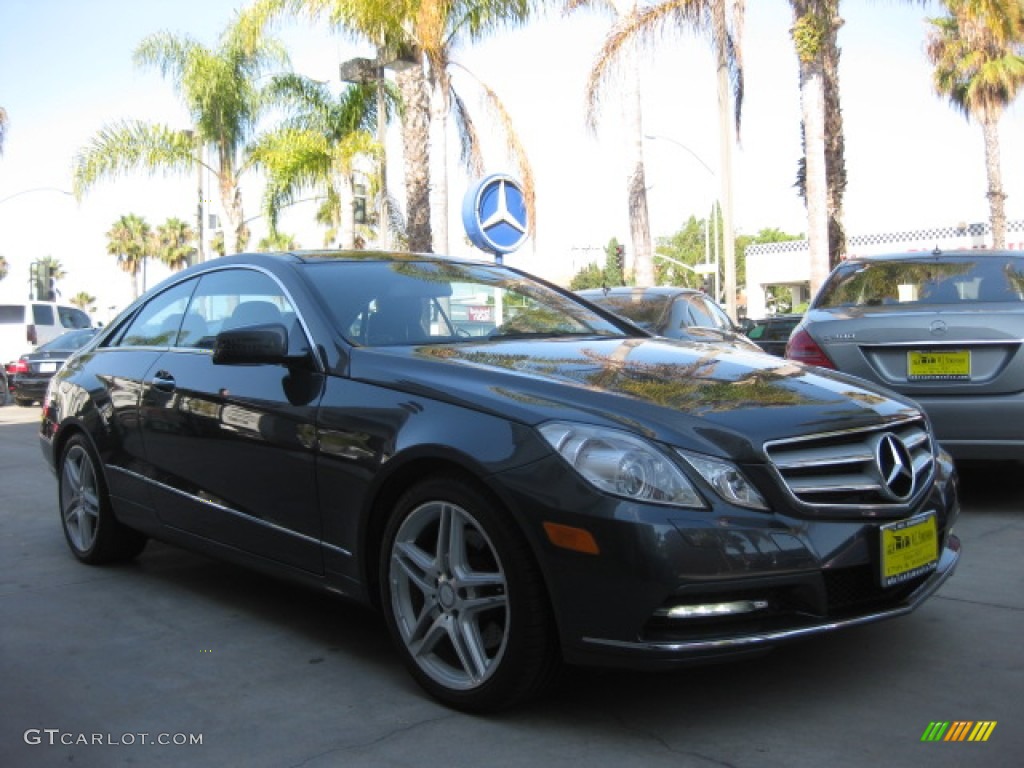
<point x="654" y="290"/>
<point x="935" y="255"/>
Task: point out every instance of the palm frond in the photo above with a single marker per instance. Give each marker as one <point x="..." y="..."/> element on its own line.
<point x="130" y="146"/>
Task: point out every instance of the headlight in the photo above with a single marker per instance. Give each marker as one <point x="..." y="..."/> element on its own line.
<point x="726" y="479"/>
<point x="621" y="464"/>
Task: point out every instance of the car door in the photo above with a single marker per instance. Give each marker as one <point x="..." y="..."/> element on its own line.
<point x="119" y="367"/>
<point x="233" y="446"/>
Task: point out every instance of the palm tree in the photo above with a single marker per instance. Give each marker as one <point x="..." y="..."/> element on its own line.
<point x="722" y="22"/>
<point x="218" y="87"/>
<point x="173" y="245"/>
<point x="84" y="301"/>
<point x="277" y="241"/>
<point x="636" y="184"/>
<point x="422" y="35"/>
<point x="978" y="68"/>
<point x="319" y="148"/>
<point x="130" y="241"/>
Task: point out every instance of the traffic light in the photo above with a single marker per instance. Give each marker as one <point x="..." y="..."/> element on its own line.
<point x="708" y="285"/>
<point x="42" y="283"/>
<point x="620" y="257"/>
<point x="359" y="204"/>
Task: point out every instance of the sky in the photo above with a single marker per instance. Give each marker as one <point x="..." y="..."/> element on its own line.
<point x="913" y="162"/>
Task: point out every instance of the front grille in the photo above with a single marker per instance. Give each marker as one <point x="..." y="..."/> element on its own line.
<point x="858" y="469"/>
<point x="856" y="590"/>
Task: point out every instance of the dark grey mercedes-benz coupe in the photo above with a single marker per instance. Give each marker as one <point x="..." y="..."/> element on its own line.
<point x="516" y="477"/>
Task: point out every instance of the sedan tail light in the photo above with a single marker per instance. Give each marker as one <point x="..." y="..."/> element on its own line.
<point x="19" y="367"/>
<point x="804" y="349"/>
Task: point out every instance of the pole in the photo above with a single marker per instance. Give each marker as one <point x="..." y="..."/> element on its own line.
<point x="383" y="217"/>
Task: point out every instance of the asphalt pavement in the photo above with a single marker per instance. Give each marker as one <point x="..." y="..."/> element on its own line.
<point x="179" y="660"/>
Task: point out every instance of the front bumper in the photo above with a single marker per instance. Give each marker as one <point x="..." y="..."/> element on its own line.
<point x="806" y="575"/>
<point x="656" y="654"/>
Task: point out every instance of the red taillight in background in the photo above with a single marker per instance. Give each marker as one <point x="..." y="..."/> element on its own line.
<point x="804" y="349"/>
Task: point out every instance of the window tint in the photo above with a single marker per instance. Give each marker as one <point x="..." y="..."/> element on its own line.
<point x="157" y="323"/>
<point x="42" y="314"/>
<point x="73" y="318"/>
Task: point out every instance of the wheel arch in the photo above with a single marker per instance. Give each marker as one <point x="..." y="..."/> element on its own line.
<point x="401" y="479"/>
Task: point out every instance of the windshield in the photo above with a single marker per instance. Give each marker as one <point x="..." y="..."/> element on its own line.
<point x="383" y="303"/>
<point x="923" y="282"/>
<point x="643" y="309"/>
<point x="67" y="342"/>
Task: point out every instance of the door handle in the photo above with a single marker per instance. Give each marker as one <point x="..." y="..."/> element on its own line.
<point x="163" y="381"/>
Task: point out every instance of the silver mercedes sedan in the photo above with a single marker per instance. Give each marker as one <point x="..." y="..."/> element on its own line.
<point x="944" y="328"/>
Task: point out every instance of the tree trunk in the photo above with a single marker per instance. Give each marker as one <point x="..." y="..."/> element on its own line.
<point x="439" y="108"/>
<point x="835" y="157"/>
<point x="807" y="16"/>
<point x="639" y="218"/>
<point x="416" y="144"/>
<point x="726" y="138"/>
<point x="231" y="202"/>
<point x="996" y="195"/>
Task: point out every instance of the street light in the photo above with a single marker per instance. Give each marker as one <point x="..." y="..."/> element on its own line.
<point x="363" y="71"/>
<point x="714" y="207"/>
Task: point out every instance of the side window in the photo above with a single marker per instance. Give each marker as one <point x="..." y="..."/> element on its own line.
<point x="698" y="313"/>
<point x="234" y="298"/>
<point x="158" y="322"/>
<point x="42" y="314"/>
<point x="73" y="318"/>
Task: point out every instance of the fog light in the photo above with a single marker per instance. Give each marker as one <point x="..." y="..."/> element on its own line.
<point x="711" y="610"/>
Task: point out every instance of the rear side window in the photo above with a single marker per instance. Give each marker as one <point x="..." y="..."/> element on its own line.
<point x="73" y="318"/>
<point x="42" y="314"/>
<point x="11" y="313"/>
<point x="157" y="323"/>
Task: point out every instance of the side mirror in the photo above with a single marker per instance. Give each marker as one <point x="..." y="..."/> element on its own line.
<point x="251" y="345"/>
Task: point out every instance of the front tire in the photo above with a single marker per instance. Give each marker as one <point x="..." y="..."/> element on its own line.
<point x="464" y="599"/>
<point x="93" y="533"/>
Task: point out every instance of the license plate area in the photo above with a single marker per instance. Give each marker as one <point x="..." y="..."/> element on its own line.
<point x="946" y="365"/>
<point x="47" y="367"/>
<point x="909" y="548"/>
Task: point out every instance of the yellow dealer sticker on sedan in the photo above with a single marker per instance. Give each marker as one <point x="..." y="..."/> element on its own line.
<point x="909" y="549"/>
<point x="948" y="365"/>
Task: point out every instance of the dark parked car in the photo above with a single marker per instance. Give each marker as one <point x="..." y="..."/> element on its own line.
<point x="772" y="333"/>
<point x="565" y="488"/>
<point x="944" y="328"/>
<point x="31" y="373"/>
<point x="672" y="312"/>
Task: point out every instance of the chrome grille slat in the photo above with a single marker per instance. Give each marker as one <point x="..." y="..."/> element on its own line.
<point x="839" y="471"/>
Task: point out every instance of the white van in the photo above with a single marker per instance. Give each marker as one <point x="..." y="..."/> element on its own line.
<point x="26" y="324"/>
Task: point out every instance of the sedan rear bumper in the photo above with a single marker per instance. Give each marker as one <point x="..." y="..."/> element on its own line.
<point x="978" y="427"/>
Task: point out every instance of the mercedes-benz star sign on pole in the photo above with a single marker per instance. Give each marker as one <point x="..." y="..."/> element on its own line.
<point x="494" y="215"/>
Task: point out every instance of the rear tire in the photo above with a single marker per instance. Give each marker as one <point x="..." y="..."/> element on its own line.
<point x="464" y="599"/>
<point x="94" y="535"/>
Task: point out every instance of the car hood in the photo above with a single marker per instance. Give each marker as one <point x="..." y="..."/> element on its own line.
<point x="706" y="397"/>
